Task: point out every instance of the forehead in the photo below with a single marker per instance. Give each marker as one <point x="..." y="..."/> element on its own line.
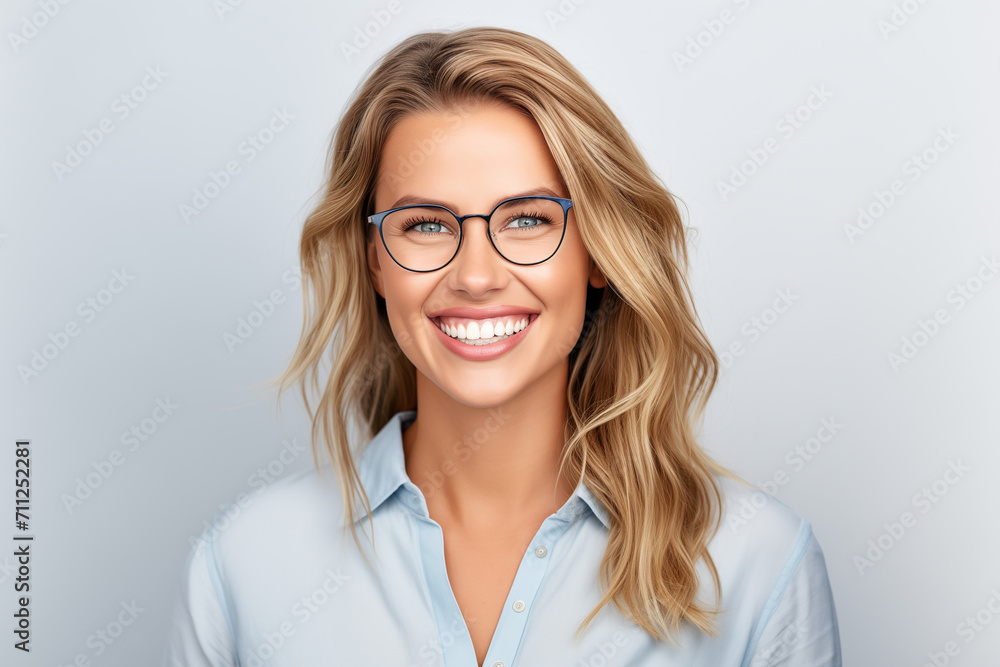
<point x="467" y="157"/>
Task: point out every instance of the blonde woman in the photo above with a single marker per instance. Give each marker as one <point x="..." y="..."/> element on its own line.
<point x="497" y="283"/>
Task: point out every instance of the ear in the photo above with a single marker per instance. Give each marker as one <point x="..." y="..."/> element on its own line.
<point x="597" y="279"/>
<point x="374" y="265"/>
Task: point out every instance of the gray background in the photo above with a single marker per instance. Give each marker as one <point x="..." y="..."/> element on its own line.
<point x="888" y="93"/>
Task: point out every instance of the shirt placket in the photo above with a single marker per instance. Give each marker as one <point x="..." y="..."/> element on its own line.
<point x="458" y="650"/>
<point x="531" y="571"/>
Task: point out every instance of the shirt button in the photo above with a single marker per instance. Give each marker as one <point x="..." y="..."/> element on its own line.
<point x="541" y="551"/>
<point x="519" y="605"/>
<point x="497" y="664"/>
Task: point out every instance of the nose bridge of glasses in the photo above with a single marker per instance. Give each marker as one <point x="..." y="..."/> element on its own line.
<point x="464" y="221"/>
<point x="486" y="250"/>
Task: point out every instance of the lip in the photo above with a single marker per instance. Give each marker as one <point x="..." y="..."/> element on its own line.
<point x="482" y="313"/>
<point x="481" y="352"/>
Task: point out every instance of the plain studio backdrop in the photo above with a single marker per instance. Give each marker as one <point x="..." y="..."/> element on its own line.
<point x="838" y="161"/>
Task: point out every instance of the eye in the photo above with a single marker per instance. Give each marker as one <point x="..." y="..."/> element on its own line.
<point x="526" y="221"/>
<point x="426" y="226"/>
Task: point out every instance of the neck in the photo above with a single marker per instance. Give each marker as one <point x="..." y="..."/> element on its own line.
<point x="490" y="466"/>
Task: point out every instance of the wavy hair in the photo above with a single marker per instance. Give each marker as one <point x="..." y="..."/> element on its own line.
<point x="642" y="369"/>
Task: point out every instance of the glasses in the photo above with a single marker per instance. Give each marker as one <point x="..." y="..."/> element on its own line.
<point x="426" y="237"/>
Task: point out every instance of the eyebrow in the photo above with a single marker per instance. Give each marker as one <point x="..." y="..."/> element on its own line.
<point x="408" y="200"/>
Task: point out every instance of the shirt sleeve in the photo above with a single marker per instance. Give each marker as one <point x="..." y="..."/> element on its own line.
<point x="201" y="633"/>
<point x="798" y="626"/>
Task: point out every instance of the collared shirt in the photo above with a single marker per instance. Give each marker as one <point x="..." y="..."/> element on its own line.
<point x="276" y="582"/>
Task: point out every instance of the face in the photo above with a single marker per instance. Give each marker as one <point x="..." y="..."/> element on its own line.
<point x="468" y="162"/>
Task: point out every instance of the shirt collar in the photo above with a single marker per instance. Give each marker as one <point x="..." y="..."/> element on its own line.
<point x="382" y="470"/>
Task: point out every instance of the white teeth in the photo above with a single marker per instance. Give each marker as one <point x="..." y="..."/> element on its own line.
<point x="485" y="333"/>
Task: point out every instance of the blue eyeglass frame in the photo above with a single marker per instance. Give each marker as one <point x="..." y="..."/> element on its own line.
<point x="377" y="218"/>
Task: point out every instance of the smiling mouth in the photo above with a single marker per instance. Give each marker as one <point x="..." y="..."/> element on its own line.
<point x="478" y="342"/>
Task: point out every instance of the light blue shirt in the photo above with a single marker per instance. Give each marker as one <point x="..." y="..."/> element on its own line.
<point x="278" y="584"/>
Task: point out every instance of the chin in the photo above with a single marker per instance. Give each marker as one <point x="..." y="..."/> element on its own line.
<point x="481" y="402"/>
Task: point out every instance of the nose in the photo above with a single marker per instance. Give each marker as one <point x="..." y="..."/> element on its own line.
<point x="477" y="266"/>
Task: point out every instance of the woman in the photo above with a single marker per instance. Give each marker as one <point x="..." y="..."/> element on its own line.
<point x="502" y="280"/>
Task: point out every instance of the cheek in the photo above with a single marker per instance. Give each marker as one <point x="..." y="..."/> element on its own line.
<point x="401" y="318"/>
<point x="398" y="325"/>
<point x="571" y="274"/>
<point x="406" y="299"/>
<point x="564" y="289"/>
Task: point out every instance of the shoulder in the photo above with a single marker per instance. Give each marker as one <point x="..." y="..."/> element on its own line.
<point x="774" y="579"/>
<point x="302" y="506"/>
<point x="251" y="561"/>
<point x="756" y="527"/>
<point x="760" y="543"/>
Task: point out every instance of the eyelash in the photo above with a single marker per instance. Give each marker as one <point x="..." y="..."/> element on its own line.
<point x="538" y="216"/>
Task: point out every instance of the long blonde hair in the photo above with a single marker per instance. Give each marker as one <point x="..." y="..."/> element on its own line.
<point x="642" y="370"/>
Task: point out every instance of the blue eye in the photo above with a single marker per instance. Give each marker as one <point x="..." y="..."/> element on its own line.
<point x="534" y="220"/>
<point x="530" y="219"/>
<point x="417" y="223"/>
